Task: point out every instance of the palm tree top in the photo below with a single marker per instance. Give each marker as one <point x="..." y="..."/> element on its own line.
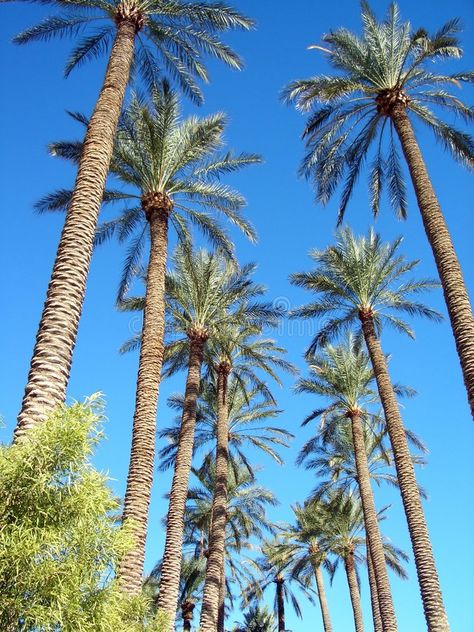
<point x="390" y="65"/>
<point x="361" y="277"/>
<point x="173" y="36"/>
<point x="182" y="161"/>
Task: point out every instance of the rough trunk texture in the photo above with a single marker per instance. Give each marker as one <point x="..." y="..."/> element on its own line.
<point x="142" y="456"/>
<point x="280" y="600"/>
<point x="374" y="598"/>
<point x="323" y="602"/>
<point x="222" y="594"/>
<point x="172" y="556"/>
<point x="187" y="610"/>
<point x="57" y="331"/>
<point x="354" y="592"/>
<point x="371" y="523"/>
<point x="210" y="602"/>
<point x="449" y="269"/>
<point x="428" y="580"/>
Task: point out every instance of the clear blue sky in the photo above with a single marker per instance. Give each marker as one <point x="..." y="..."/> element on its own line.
<point x="35" y="97"/>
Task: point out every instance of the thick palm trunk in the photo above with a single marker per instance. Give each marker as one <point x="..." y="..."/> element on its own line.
<point x="222" y="594"/>
<point x="449" y="269"/>
<point x="323" y="602"/>
<point x="428" y="580"/>
<point x="140" y="473"/>
<point x="374" y="598"/>
<point x="215" y="560"/>
<point x="187" y="609"/>
<point x="354" y="592"/>
<point x="57" y="331"/>
<point x="172" y="556"/>
<point x="280" y="600"/>
<point x="372" y="526"/>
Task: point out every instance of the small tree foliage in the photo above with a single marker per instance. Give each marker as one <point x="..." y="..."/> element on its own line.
<point x="59" y="539"/>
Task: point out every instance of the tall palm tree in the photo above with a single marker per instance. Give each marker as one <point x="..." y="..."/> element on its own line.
<point x="360" y="281"/>
<point x="172" y="165"/>
<point x="144" y="35"/>
<point x="385" y="80"/>
<point x="245" y="353"/>
<point x="204" y="292"/>
<point x="343" y="376"/>
<point x="245" y="519"/>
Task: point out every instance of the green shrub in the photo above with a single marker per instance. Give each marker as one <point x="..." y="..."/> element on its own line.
<point x="60" y="542"/>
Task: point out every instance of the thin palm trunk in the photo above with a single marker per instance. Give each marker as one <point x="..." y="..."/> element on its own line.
<point x="210" y="601"/>
<point x="57" y="332"/>
<point x="222" y="593"/>
<point x="140" y="473"/>
<point x="349" y="565"/>
<point x="428" y="580"/>
<point x="374" y="598"/>
<point x="172" y="556"/>
<point x="323" y="602"/>
<point x="371" y="523"/>
<point x="447" y="263"/>
<point x="280" y="600"/>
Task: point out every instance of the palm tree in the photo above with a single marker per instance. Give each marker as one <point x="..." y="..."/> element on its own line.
<point x="204" y="292"/>
<point x="343" y="376"/>
<point x="360" y="281"/>
<point x="172" y="165"/>
<point x="242" y="351"/>
<point x="257" y="619"/>
<point x="145" y="35"/>
<point x="245" y="519"/>
<point x="273" y="567"/>
<point x="301" y="552"/>
<point x="385" y="80"/>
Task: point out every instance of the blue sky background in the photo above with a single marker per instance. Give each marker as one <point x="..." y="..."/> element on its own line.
<point x="33" y="104"/>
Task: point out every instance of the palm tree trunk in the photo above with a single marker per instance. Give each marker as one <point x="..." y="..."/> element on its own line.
<point x="222" y="594"/>
<point x="428" y="580"/>
<point x="354" y="592"/>
<point x="372" y="530"/>
<point x="374" y="598"/>
<point x="187" y="609"/>
<point x="57" y="330"/>
<point x="172" y="556"/>
<point x="279" y="581"/>
<point x="449" y="269"/>
<point x="323" y="602"/>
<point x="210" y="601"/>
<point x="140" y="473"/>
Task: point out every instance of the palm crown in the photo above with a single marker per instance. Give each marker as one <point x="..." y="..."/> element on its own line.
<point x="157" y="151"/>
<point x="171" y="36"/>
<point x="248" y="417"/>
<point x="350" y="111"/>
<point x="361" y="275"/>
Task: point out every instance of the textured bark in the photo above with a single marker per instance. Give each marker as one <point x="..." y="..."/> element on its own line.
<point x="428" y="581"/>
<point x="371" y="523"/>
<point x="374" y="598"/>
<point x="323" y="602"/>
<point x="187" y="610"/>
<point x="142" y="456"/>
<point x="354" y="592"/>
<point x="222" y="594"/>
<point x="215" y="560"/>
<point x="172" y="556"/>
<point x="280" y="601"/>
<point x="57" y="332"/>
<point x="449" y="269"/>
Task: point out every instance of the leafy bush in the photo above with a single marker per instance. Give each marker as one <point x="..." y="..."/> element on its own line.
<point x="59" y="537"/>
